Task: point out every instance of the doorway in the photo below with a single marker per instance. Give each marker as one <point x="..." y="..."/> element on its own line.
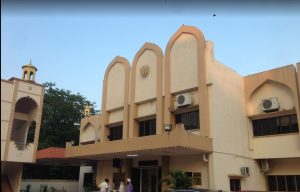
<point x="146" y="179"/>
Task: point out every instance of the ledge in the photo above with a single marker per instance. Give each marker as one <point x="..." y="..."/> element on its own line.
<point x="177" y="142"/>
<point x="272" y="114"/>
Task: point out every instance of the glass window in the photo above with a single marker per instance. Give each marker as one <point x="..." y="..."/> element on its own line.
<point x="189" y="119"/>
<point x="298" y="182"/>
<point x="272" y="183"/>
<point x="291" y="183"/>
<point x="284" y="183"/>
<point x="275" y="125"/>
<point x="235" y="185"/>
<point x="116" y="133"/>
<point x="147" y="127"/>
<point x="281" y="183"/>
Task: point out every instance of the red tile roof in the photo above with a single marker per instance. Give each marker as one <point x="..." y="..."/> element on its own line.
<point x="51" y="152"/>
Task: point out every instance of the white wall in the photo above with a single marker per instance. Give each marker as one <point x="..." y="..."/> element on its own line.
<point x="229" y="131"/>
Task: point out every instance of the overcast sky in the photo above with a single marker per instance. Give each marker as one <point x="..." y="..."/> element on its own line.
<point x="72" y="44"/>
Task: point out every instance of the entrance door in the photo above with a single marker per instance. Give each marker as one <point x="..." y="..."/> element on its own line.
<point x="147" y="179"/>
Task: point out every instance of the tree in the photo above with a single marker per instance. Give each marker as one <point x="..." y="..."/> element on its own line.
<point x="62" y="112"/>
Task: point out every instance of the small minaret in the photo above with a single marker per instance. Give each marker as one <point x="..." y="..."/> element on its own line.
<point x="29" y="72"/>
<point x="86" y="110"/>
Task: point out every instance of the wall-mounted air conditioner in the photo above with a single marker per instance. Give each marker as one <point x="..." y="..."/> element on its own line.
<point x="183" y="99"/>
<point x="264" y="165"/>
<point x="270" y="104"/>
<point x="245" y="171"/>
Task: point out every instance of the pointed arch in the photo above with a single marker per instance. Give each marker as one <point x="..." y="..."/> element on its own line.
<point x="265" y="81"/>
<point x="87" y="133"/>
<point x="154" y="89"/>
<point x="199" y="78"/>
<point x="125" y="92"/>
<point x="25" y="113"/>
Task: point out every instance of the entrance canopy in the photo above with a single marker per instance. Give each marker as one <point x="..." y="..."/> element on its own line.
<point x="177" y="142"/>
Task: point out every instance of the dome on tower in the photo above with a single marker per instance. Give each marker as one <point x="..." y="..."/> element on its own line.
<point x="29" y="72"/>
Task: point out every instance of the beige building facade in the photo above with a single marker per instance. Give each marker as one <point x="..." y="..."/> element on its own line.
<point x="21" y="110"/>
<point x="185" y="110"/>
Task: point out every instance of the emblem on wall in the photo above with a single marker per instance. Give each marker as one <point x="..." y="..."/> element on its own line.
<point x="144" y="70"/>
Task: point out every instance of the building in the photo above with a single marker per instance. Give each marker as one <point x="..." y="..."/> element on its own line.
<point x="186" y="110"/>
<point x="21" y="111"/>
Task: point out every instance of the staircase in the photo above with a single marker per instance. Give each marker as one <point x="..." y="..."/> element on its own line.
<point x="5" y="184"/>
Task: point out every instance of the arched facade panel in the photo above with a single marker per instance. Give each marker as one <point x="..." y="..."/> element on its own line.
<point x="146" y="76"/>
<point x="184" y="63"/>
<point x="115" y="87"/>
<point x="87" y="133"/>
<point x="271" y="89"/>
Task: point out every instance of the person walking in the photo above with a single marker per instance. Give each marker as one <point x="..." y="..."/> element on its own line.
<point x="104" y="186"/>
<point x="122" y="186"/>
<point x="129" y="187"/>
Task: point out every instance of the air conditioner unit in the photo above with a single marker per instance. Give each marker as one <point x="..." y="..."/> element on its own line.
<point x="264" y="165"/>
<point x="269" y="105"/>
<point x="245" y="171"/>
<point x="183" y="99"/>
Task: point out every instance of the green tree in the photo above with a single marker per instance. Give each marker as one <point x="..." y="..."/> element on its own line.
<point x="177" y="179"/>
<point x="62" y="112"/>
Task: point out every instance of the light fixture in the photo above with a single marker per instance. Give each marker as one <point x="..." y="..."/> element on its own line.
<point x="168" y="127"/>
<point x="132" y="155"/>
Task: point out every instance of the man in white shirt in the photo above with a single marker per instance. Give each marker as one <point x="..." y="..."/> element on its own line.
<point x="104" y="187"/>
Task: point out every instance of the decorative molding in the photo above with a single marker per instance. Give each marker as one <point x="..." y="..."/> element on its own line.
<point x="145" y="70"/>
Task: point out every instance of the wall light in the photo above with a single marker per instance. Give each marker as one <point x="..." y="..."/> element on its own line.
<point x="168" y="127"/>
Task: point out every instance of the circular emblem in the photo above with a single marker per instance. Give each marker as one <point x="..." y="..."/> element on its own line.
<point x="144" y="70"/>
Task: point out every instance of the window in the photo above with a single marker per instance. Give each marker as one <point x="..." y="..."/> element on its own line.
<point x="275" y="125"/>
<point x="147" y="127"/>
<point x="196" y="177"/>
<point x="284" y="183"/>
<point x="116" y="133"/>
<point x="189" y="119"/>
<point x="235" y="184"/>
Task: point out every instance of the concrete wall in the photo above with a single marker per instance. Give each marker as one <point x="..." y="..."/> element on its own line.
<point x="229" y="131"/>
<point x="184" y="64"/>
<point x="115" y="87"/>
<point x="104" y="170"/>
<point x="25" y="155"/>
<point x="87" y="134"/>
<point x="276" y="146"/>
<point x="192" y="163"/>
<point x="14" y="173"/>
<point x="145" y="109"/>
<point x="145" y="87"/>
<point x="284" y="166"/>
<point x="7" y="89"/>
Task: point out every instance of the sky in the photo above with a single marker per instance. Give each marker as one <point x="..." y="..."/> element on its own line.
<point x="72" y="44"/>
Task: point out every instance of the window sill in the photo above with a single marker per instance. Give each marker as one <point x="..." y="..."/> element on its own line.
<point x="275" y="135"/>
